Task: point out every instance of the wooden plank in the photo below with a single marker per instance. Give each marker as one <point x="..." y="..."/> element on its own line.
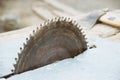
<point x="21" y="33"/>
<point x="102" y="30"/>
<point x="116" y="37"/>
<point x="62" y="7"/>
<point x="43" y="13"/>
<point x="48" y="9"/>
<point x="111" y="18"/>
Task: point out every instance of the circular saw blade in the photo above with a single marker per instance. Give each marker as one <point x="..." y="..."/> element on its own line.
<point x="55" y="40"/>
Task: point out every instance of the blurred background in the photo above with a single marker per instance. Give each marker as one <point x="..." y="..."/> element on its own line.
<point x="16" y="14"/>
<point x="88" y="5"/>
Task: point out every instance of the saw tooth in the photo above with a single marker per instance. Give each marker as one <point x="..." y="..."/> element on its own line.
<point x="74" y="22"/>
<point x="30" y="36"/>
<point x="55" y="18"/>
<point x="26" y="39"/>
<point x="62" y="18"/>
<point x="81" y="29"/>
<point x="33" y="31"/>
<point x="83" y="32"/>
<point x="19" y="55"/>
<point x="78" y="26"/>
<point x="86" y="40"/>
<point x="65" y="19"/>
<point x="12" y="70"/>
<point x="87" y="43"/>
<point x="48" y="21"/>
<point x="69" y="19"/>
<point x="59" y="19"/>
<point x="24" y="44"/>
<point x="51" y="21"/>
<point x="37" y="28"/>
<point x="40" y="25"/>
<point x="45" y="23"/>
<point x="85" y="37"/>
<point x="20" y="48"/>
<point x="15" y="59"/>
<point x="14" y="66"/>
